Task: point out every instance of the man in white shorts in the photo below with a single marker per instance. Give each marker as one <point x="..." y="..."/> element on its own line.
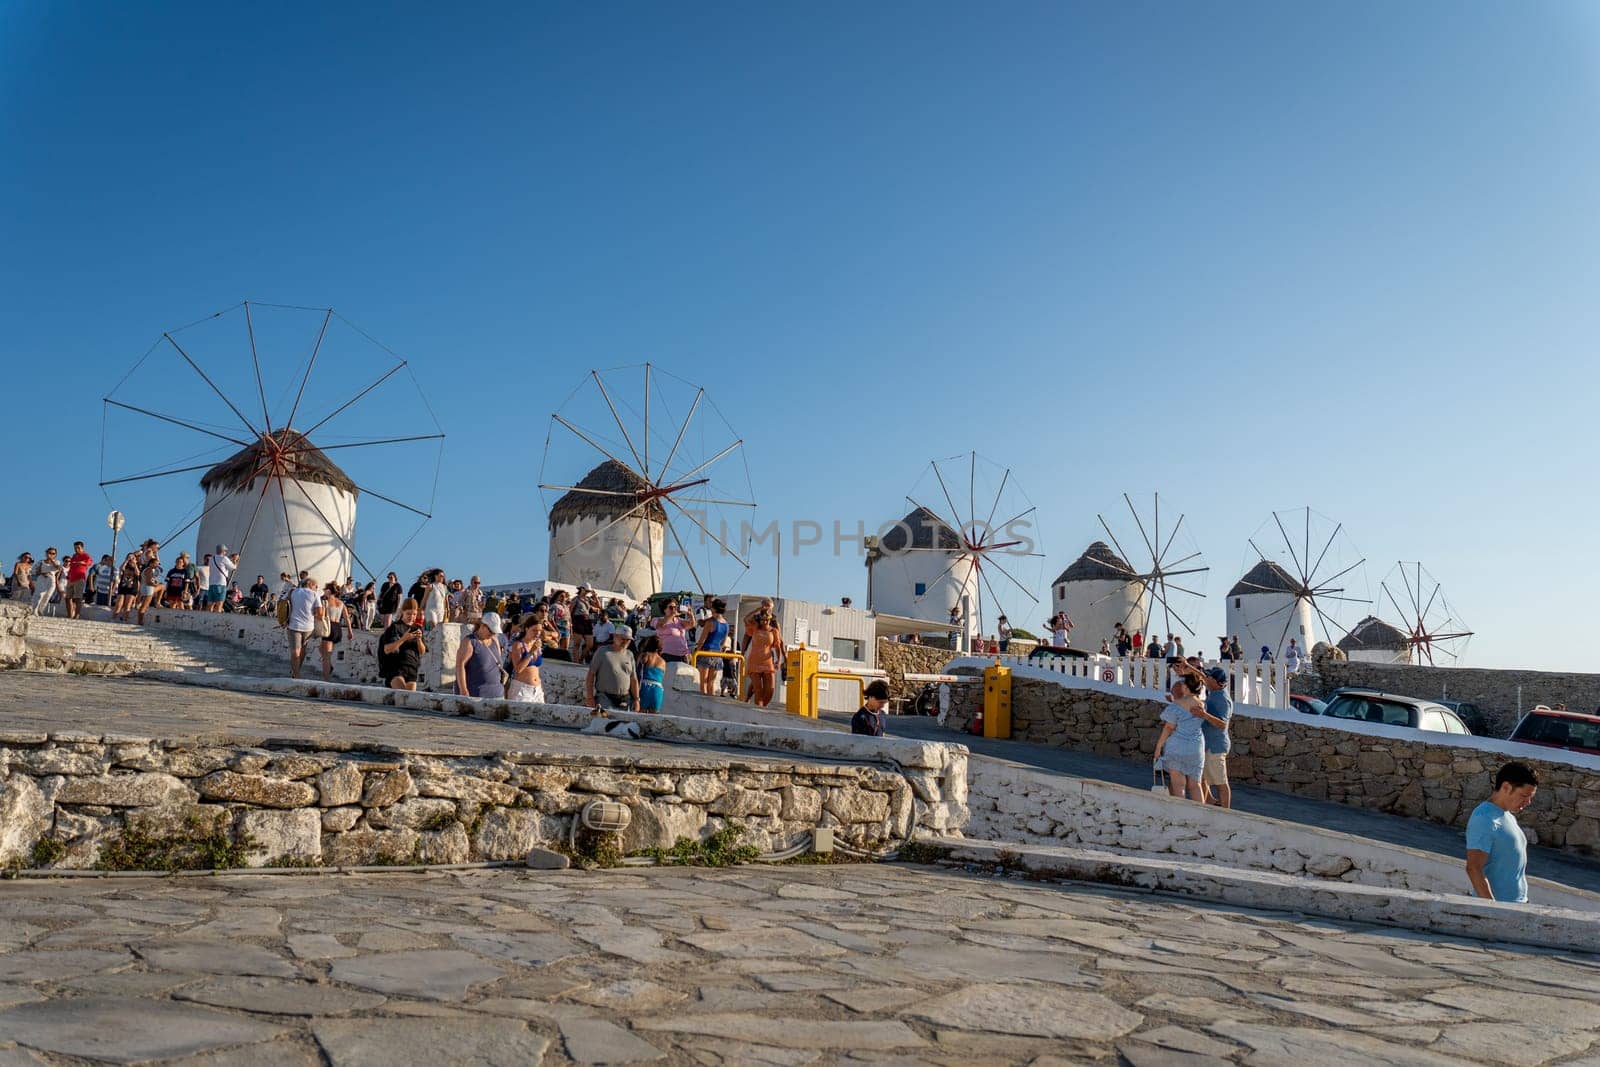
<point x="305" y="607"/>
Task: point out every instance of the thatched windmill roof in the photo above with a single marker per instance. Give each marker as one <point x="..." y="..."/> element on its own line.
<point x="1265" y="577"/>
<point x="609" y="477"/>
<point x="302" y="462"/>
<point x="1097" y="564"/>
<point x="922" y="523"/>
<point x="1372" y="634"/>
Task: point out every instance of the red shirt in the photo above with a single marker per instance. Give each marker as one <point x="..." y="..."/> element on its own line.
<point x="78" y="565"/>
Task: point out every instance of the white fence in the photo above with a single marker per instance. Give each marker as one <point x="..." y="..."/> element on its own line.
<point x="1262" y="684"/>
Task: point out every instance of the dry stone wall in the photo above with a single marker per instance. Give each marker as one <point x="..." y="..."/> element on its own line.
<point x="1497" y="692"/>
<point x="898" y="660"/>
<point x="13" y="633"/>
<point x="65" y="799"/>
<point x="1363" y="765"/>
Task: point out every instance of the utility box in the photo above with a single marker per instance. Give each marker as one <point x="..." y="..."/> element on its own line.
<point x="997" y="701"/>
<point x="801" y="668"/>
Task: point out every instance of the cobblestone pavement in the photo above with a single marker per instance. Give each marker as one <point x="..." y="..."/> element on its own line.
<point x="753" y="965"/>
<point x="1573" y="870"/>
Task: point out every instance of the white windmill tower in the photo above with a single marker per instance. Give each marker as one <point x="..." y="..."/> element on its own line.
<point x="275" y="497"/>
<point x="601" y="534"/>
<point x="1277" y="600"/>
<point x="931" y="573"/>
<point x="671" y="484"/>
<point x="1374" y="641"/>
<point x="1098" y="591"/>
<point x="305" y="512"/>
<point x="1140" y="592"/>
<point x="934" y="562"/>
<point x="1266" y="608"/>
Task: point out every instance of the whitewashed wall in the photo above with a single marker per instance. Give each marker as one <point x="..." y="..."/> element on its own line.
<point x="1268" y="628"/>
<point x="627" y="557"/>
<point x="894" y="588"/>
<point x="302" y="541"/>
<point x="1095" y="608"/>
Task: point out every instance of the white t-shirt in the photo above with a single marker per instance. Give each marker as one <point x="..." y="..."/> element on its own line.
<point x="202" y="575"/>
<point x="222" y="568"/>
<point x="302" y="610"/>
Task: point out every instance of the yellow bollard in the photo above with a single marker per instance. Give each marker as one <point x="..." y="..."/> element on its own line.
<point x="799" y="695"/>
<point x="997" y="701"/>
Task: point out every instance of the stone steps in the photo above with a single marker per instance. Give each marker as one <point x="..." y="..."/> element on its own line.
<point x="88" y="646"/>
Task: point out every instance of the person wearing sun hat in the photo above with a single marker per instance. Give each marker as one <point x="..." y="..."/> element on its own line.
<point x="612" y="676"/>
<point x="480" y="663"/>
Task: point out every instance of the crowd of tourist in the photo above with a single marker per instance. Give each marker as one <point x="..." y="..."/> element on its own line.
<point x="627" y="647"/>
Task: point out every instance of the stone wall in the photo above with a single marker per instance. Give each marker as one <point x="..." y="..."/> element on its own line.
<point x="316" y="803"/>
<point x="1011" y="803"/>
<point x="898" y="660"/>
<point x="13" y="633"/>
<point x="935" y="771"/>
<point x="1388" y="768"/>
<point x="1495" y="691"/>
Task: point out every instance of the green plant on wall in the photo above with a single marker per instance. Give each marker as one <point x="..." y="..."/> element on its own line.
<point x="142" y="845"/>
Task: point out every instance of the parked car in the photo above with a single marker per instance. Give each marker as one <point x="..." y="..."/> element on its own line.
<point x="1307" y="705"/>
<point x="1470" y="714"/>
<point x="1571" y="730"/>
<point x="1390" y="709"/>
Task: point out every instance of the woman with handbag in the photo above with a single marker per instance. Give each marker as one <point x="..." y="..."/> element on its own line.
<point x="332" y="627"/>
<point x="480" y="665"/>
<point x="1181" y="748"/>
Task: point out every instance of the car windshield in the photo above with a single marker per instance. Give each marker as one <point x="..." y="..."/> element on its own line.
<point x="1554" y="730"/>
<point x="1369" y="709"/>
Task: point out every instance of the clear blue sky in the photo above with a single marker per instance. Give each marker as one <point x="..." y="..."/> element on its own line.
<point x="1253" y="255"/>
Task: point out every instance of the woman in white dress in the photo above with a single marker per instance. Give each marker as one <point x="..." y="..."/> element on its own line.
<point x="435" y="600"/>
<point x="44" y="581"/>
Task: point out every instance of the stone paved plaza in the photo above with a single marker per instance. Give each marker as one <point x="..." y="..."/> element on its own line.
<point x="752" y="965"/>
<point x="151" y="708"/>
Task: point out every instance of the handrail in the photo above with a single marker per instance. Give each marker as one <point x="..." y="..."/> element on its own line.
<point x="843" y="676"/>
<point x="738" y="657"/>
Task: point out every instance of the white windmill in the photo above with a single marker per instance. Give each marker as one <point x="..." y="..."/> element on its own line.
<point x="1283" y="598"/>
<point x="657" y="489"/>
<point x="939" y="558"/>
<point x="277" y="498"/>
<point x="1108" y="590"/>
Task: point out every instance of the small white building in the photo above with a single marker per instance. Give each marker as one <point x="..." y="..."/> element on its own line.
<point x="627" y="556"/>
<point x="1265" y="610"/>
<point x="918" y="570"/>
<point x="1374" y="641"/>
<point x="1098" y="591"/>
<point x="300" y="520"/>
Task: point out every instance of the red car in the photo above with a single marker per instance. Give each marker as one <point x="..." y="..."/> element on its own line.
<point x="1306" y="705"/>
<point x="1559" y="729"/>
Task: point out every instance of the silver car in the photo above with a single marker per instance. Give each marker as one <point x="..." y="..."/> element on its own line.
<point x="1370" y="705"/>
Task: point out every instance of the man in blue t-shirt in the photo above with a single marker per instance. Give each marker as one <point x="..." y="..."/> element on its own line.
<point x="1497" y="850"/>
